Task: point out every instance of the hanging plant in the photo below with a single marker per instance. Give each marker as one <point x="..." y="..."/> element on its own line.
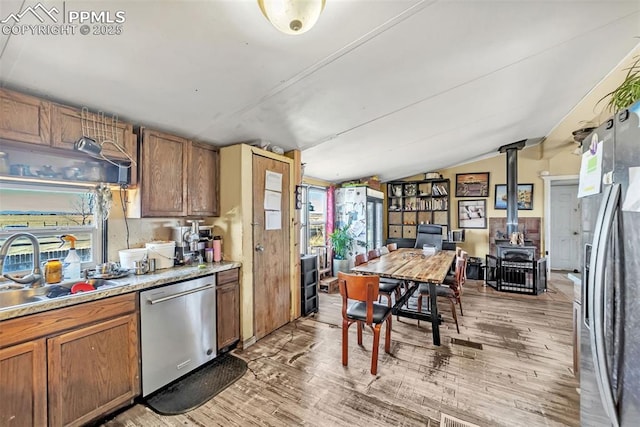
<point x="629" y="90"/>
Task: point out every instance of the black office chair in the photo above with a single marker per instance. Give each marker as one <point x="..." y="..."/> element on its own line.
<point x="429" y="234"/>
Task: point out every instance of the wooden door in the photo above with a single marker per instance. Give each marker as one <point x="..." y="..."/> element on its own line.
<point x="565" y="227"/>
<point x="23" y="389"/>
<point x="24" y="118"/>
<point x="163" y="181"/>
<point x="93" y="370"/>
<point x="203" y="180"/>
<point x="271" y="265"/>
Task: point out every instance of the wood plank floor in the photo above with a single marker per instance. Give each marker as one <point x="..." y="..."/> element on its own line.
<point x="509" y="366"/>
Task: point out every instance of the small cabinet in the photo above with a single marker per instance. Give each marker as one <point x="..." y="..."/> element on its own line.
<point x="308" y="284"/>
<point x="202" y="179"/>
<point x="163" y="181"/>
<point x="179" y="177"/>
<point x="69" y="124"/>
<point x="23" y="395"/>
<point x="71" y="365"/>
<point x="228" y="308"/>
<point x="24" y="118"/>
<point x="92" y="370"/>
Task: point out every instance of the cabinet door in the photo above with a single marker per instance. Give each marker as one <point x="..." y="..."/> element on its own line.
<point x="23" y="374"/>
<point x="24" y="118"/>
<point x="68" y="125"/>
<point x="93" y="370"/>
<point x="203" y="180"/>
<point x="163" y="182"/>
<point x="228" y="308"/>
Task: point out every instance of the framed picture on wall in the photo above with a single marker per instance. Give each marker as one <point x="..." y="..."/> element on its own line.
<point x="525" y="197"/>
<point x="472" y="184"/>
<point x="472" y="213"/>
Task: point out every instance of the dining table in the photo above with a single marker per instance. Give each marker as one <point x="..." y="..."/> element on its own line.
<point x="414" y="266"/>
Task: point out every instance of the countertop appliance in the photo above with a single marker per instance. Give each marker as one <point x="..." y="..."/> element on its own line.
<point x="177" y="329"/>
<point x="186" y="246"/>
<point x="609" y="344"/>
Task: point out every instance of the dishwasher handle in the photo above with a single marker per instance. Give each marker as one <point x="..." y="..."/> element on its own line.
<point x="180" y="294"/>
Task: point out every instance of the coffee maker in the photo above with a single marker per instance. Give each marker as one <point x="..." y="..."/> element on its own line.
<point x="191" y="240"/>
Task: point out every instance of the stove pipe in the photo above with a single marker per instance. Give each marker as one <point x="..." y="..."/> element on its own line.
<point x="512" y="183"/>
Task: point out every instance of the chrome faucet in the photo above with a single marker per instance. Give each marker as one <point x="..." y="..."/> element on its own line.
<point x="33" y="279"/>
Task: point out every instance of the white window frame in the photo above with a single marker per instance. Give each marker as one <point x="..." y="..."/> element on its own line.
<point x="96" y="229"/>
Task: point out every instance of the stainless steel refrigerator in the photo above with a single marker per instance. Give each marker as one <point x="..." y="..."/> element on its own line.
<point x="610" y="327"/>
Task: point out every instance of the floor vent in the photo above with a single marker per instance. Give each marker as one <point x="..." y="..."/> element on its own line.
<point x="449" y="421"/>
<point x="471" y="344"/>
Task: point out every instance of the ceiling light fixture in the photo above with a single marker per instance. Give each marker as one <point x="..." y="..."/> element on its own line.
<point x="292" y="16"/>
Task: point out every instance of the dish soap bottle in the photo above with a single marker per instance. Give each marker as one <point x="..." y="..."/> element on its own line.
<point x="71" y="264"/>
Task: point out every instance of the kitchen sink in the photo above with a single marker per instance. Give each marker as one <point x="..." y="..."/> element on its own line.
<point x="12" y="295"/>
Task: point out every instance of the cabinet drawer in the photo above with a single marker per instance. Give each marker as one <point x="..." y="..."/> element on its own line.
<point x="409" y="232"/>
<point x="228" y="276"/>
<point x="27" y="328"/>
<point x="395" y="231"/>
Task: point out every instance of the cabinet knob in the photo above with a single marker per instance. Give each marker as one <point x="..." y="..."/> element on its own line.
<point x="259" y="248"/>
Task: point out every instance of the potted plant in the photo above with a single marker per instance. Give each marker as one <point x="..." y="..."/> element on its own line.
<point x="341" y="242"/>
<point x="629" y="90"/>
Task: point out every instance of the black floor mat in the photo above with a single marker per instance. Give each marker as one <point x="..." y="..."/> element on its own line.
<point x="199" y="386"/>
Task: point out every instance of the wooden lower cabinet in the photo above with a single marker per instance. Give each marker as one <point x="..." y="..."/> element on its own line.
<point x="69" y="366"/>
<point x="23" y="389"/>
<point x="92" y="370"/>
<point x="228" y="308"/>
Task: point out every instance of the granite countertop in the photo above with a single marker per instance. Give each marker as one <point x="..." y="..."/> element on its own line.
<point x="131" y="283"/>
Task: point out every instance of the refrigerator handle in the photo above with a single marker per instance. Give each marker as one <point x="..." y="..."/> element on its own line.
<point x="584" y="294"/>
<point x="596" y="309"/>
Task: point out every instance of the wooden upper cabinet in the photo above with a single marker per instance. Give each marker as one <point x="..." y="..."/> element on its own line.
<point x="68" y="125"/>
<point x="24" y="118"/>
<point x="202" y="180"/>
<point x="163" y="183"/>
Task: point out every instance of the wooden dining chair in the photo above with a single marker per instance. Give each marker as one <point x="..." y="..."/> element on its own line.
<point x="387" y="286"/>
<point x="392" y="247"/>
<point x="363" y="290"/>
<point x="452" y="292"/>
<point x="360" y="259"/>
<point x="457" y="282"/>
<point x="373" y="254"/>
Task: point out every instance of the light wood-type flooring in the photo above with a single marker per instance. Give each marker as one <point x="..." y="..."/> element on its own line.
<point x="511" y="365"/>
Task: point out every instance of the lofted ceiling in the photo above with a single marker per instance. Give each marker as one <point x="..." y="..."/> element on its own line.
<point x="378" y="87"/>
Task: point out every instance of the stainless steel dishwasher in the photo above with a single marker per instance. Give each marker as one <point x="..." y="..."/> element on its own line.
<point x="178" y="330"/>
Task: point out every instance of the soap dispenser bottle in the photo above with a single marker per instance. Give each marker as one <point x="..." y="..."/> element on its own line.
<point x="71" y="264"/>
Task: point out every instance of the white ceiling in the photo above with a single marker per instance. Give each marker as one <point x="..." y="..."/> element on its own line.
<point x="389" y="88"/>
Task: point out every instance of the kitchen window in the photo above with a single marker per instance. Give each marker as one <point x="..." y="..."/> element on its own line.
<point x="48" y="211"/>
